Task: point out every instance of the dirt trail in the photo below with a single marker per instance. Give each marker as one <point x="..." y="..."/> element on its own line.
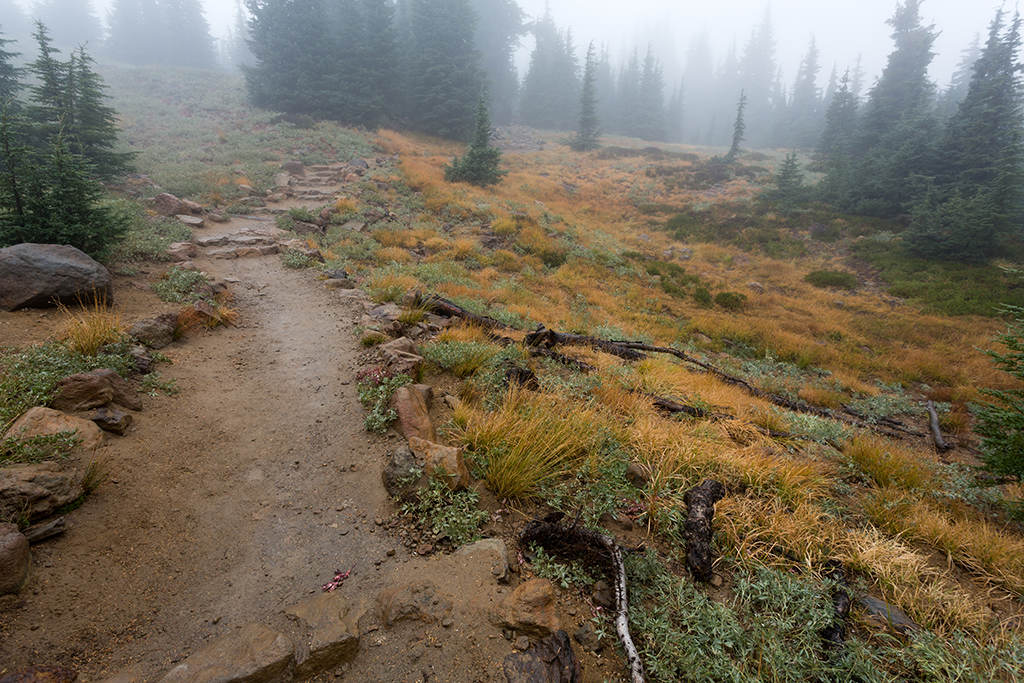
<point x="234" y="499"/>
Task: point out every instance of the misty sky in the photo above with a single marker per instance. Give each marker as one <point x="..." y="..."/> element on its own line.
<point x="842" y="28"/>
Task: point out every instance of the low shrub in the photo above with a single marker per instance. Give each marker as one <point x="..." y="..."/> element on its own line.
<point x="731" y="301"/>
<point x="832" y="279"/>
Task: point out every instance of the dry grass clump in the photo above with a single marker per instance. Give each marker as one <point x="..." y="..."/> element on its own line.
<point x="888" y="465"/>
<point x="530" y="440"/>
<point x="90" y="327"/>
<point x="387" y="285"/>
<point x="392" y="255"/>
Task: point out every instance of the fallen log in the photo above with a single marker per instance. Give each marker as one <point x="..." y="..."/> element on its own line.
<point x="450" y="309"/>
<point x="835" y="634"/>
<point x="700" y="504"/>
<point x="45" y="530"/>
<point x="576" y="543"/>
<point x="940" y="443"/>
<point x="542" y="336"/>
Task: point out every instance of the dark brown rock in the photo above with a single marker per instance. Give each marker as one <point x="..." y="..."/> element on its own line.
<point x="41" y="275"/>
<point x="294" y="168"/>
<point x="552" y="660"/>
<point x="112" y="420"/>
<point x="37" y="489"/>
<point x="167" y="204"/>
<point x="15" y="559"/>
<point x="76" y="393"/>
<point x="156" y="332"/>
<point x="125" y="394"/>
<point x="637" y="475"/>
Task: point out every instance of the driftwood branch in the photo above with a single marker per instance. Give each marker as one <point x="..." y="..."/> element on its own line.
<point x="449" y="309"/>
<point x="940" y="443"/>
<point x="700" y="503"/>
<point x="549" y="339"/>
<point x="601" y="550"/>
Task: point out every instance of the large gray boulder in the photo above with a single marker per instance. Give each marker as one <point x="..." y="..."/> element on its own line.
<point x="40" y="275"/>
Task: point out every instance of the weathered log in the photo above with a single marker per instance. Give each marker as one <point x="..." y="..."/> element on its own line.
<point x="835" y="635"/>
<point x="542" y="336"/>
<point x="700" y="503"/>
<point x="40" y="532"/>
<point x="601" y="550"/>
<point x="569" y="361"/>
<point x="940" y="443"/>
<point x="449" y="309"/>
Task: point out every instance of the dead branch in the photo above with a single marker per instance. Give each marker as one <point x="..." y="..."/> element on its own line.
<point x="940" y="443"/>
<point x="449" y="309"/>
<point x="40" y="532"/>
<point x="700" y="504"/>
<point x="575" y="542"/>
<point x="549" y="339"/>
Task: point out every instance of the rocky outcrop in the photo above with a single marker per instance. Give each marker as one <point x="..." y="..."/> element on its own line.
<point x="530" y="609"/>
<point x="253" y="654"/>
<point x="38" y="490"/>
<point x="41" y="421"/>
<point x="411" y="404"/>
<point x="330" y="634"/>
<point x="41" y="275"/>
<point x="15" y="559"/>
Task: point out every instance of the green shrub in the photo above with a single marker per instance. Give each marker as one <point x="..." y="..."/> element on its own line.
<point x="832" y="279"/>
<point x="180" y="285"/>
<point x="731" y="301"/>
<point x="375" y="388"/>
<point x="703" y="297"/>
<point x="293" y="258"/>
<point x="1001" y="424"/>
<point x="451" y="515"/>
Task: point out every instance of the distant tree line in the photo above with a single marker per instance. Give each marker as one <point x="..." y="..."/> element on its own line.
<point x="56" y="145"/>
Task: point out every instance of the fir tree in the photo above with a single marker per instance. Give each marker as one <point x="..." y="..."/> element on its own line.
<point x="479" y="166"/>
<point x="238" y="51"/>
<point x="1001" y="420"/>
<point x="627" y="94"/>
<point x="789" y="189"/>
<point x="738" y="128"/>
<point x="499" y="27"/>
<point x="10" y="75"/>
<point x="445" y="75"/>
<point x="71" y="22"/>
<point x="588" y="132"/>
<point x="375" y="69"/>
<point x="840" y="124"/>
<point x="674" y="115"/>
<point x="956" y="91"/>
<point x="132" y="27"/>
<point x="51" y="104"/>
<point x="91" y="128"/>
<point x="185" y="38"/>
<point x="650" y="110"/>
<point x="805" y="123"/>
<point x="758" y="76"/>
<point x="550" y="90"/>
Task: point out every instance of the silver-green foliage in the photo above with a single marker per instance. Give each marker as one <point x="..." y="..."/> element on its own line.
<point x="449" y="514"/>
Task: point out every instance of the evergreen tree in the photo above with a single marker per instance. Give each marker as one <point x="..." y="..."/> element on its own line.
<point x="605" y="87"/>
<point x="375" y="70"/>
<point x="674" y="115"/>
<point x="758" y="77"/>
<point x="238" y="53"/>
<point x="71" y="22"/>
<point x="51" y="104"/>
<point x="15" y="25"/>
<point x="185" y="38"/>
<point x="500" y="23"/>
<point x="727" y="79"/>
<point x="804" y="120"/>
<point x="588" y="131"/>
<point x="956" y="91"/>
<point x="650" y="110"/>
<point x="1001" y="425"/>
<point x="91" y="128"/>
<point x="10" y="75"/>
<point x="789" y="189"/>
<point x="627" y="94"/>
<point x="840" y="124"/>
<point x="738" y="128"/>
<point x="551" y="87"/>
<point x="445" y="74"/>
<point x="132" y="26"/>
<point x="701" y="87"/>
<point x="480" y="164"/>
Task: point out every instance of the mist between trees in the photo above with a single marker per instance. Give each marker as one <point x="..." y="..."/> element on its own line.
<point x="946" y="161"/>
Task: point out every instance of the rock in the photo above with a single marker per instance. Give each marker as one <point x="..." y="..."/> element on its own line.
<point x="441" y="461"/>
<point x="76" y="393"/>
<point x="294" y="168"/>
<point x="247" y="189"/>
<point x="401" y="472"/>
<point x="181" y="252"/>
<point x="41" y="674"/>
<point x="418" y="601"/>
<point x="637" y="475"/>
<point x="167" y="204"/>
<point x="522" y="643"/>
<point x="133" y="674"/>
<point x="192" y="207"/>
<point x="282" y="179"/>
<point x="157" y="332"/>
<point x="15" y="559"/>
<point x="401" y="355"/>
<point x="552" y="660"/>
<point x="881" y="615"/>
<point x="143" y="360"/>
<point x="218" y="217"/>
<point x="94" y="389"/>
<point x="40" y="275"/>
<point x="701" y="338"/>
<point x="339" y="283"/>
<point x="756" y="286"/>
<point x="391" y="312"/>
<point x="587" y="637"/>
<point x="359" y="163"/>
<point x="330" y="634"/>
<point x="253" y="654"/>
<point x="336" y="274"/>
<point x="38" y="421"/>
<point x="354" y="225"/>
<point x="741" y="260"/>
<point x="372" y="337"/>
<point x="412" y="405"/>
<point x="190" y="220"/>
<point x="38" y="489"/>
<point x="493" y="547"/>
<point x="112" y="420"/>
<point x="529" y="609"/>
<point x="604" y="594"/>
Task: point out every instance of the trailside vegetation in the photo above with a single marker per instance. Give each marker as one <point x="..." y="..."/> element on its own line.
<point x="479" y="166"/>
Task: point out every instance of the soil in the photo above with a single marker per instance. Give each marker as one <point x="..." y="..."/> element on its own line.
<point x="240" y="496"/>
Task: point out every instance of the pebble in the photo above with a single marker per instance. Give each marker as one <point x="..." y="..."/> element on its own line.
<point x="391" y="552"/>
<point x="447" y="622"/>
<point x="522" y="643"/>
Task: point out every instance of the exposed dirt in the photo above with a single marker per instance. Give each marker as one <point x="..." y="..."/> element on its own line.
<point x="239" y="497"/>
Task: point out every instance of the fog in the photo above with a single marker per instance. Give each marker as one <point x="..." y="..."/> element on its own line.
<point x="842" y="29"/>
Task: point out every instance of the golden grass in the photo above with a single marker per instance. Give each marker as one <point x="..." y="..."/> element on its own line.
<point x="86" y="329"/>
<point x="889" y="465"/>
<point x="386" y="285"/>
<point x="529" y="440"/>
<point x="392" y="255"/>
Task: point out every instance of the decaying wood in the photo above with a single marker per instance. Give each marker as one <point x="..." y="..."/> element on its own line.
<point x="568" y="361"/>
<point x="835" y="635"/>
<point x="700" y="504"/>
<point x="940" y="443"/>
<point x="600" y="550"/>
<point x="449" y="309"/>
<point x="542" y="336"/>
<point x="40" y="532"/>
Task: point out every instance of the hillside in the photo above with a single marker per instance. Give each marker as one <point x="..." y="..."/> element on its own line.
<point x="667" y="248"/>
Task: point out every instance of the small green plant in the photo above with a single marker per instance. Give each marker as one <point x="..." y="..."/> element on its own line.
<point x="180" y="285"/>
<point x="565" y="575"/>
<point x="451" y="515"/>
<point x="702" y="297"/>
<point x="293" y="258"/>
<point x="731" y="301"/>
<point x="14" y="451"/>
<point x="376" y="386"/>
<point x="832" y="279"/>
<point x="154" y="384"/>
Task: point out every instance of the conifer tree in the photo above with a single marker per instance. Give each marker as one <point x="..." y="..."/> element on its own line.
<point x="375" y="69"/>
<point x="550" y="90"/>
<point x="51" y="103"/>
<point x="91" y="127"/>
<point x="133" y="30"/>
<point x="627" y="95"/>
<point x="71" y="22"/>
<point x="650" y="110"/>
<point x="805" y="123"/>
<point x="479" y="166"/>
<point x="445" y="75"/>
<point x="674" y="114"/>
<point x="701" y="87"/>
<point x="738" y="128"/>
<point x="500" y="23"/>
<point x="758" y="76"/>
<point x="588" y="131"/>
<point x="185" y="38"/>
<point x="238" y="52"/>
<point x="789" y="189"/>
<point x="10" y="75"/>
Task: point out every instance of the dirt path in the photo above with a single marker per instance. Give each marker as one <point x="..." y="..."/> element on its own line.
<point x="226" y="503"/>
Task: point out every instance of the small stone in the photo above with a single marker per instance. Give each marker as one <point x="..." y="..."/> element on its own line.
<point x="522" y="643"/>
<point x="391" y="552"/>
<point x="447" y="622"/>
<point x="716" y="581"/>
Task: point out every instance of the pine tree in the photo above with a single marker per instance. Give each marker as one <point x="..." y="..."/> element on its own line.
<point x="71" y="22"/>
<point x="840" y="124"/>
<point x="956" y="91"/>
<point x="445" y="76"/>
<point x="479" y="166"/>
<point x="674" y="115"/>
<point x="499" y="27"/>
<point x="627" y="96"/>
<point x="91" y="128"/>
<point x="1001" y="419"/>
<point x="650" y="110"/>
<point x="185" y="38"/>
<point x="10" y="75"/>
<point x="375" y="69"/>
<point x="805" y="123"/>
<point x="758" y="76"/>
<point x="238" y="52"/>
<point x="738" y="128"/>
<point x="588" y="132"/>
<point x="789" y="189"/>
<point x="551" y="86"/>
<point x="50" y="98"/>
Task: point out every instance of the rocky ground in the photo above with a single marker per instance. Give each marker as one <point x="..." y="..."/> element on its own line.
<point x="238" y="498"/>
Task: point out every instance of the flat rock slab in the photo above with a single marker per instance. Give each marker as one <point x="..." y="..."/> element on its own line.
<point x="41" y="674"/>
<point x="253" y="654"/>
<point x="331" y="633"/>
